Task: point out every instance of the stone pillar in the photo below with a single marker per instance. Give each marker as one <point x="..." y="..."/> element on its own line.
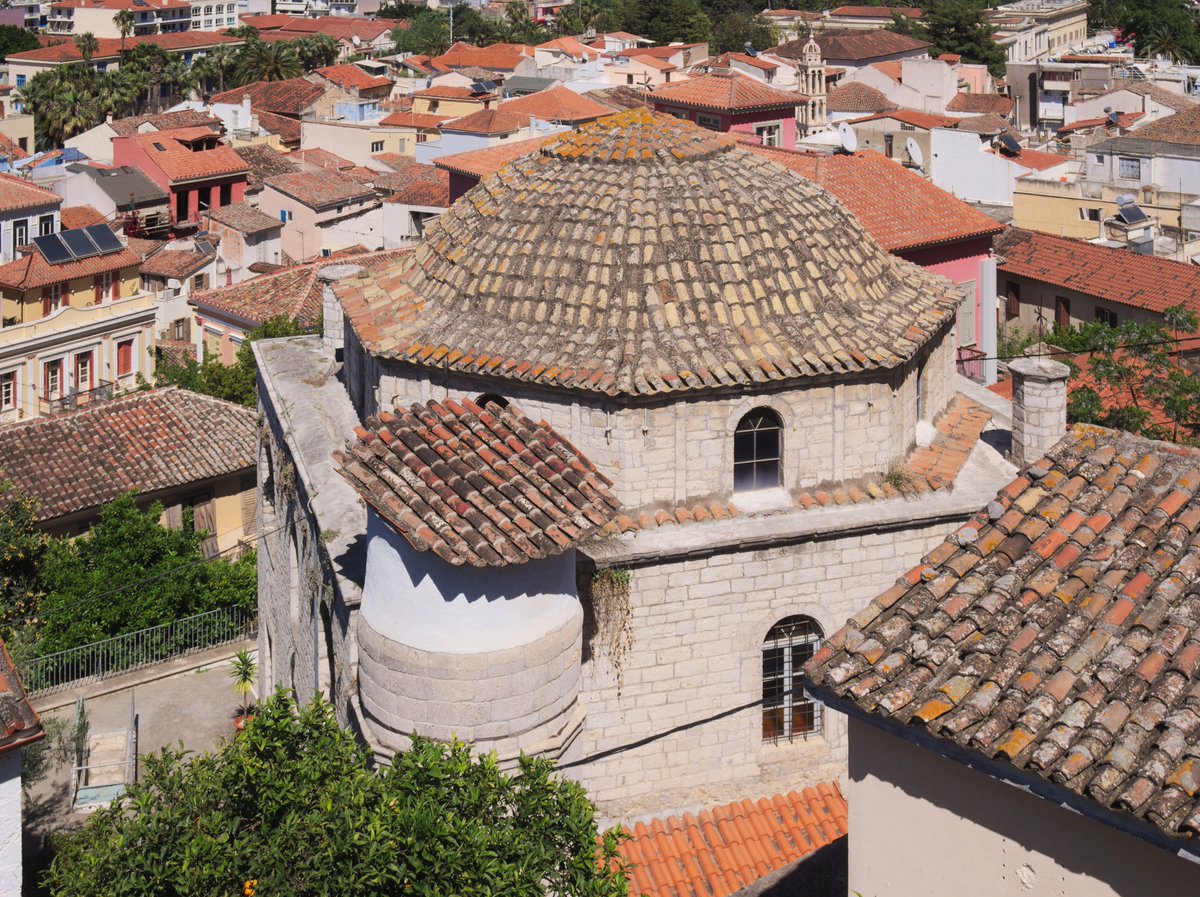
<point x="332" y="315"/>
<point x="1039" y="406"/>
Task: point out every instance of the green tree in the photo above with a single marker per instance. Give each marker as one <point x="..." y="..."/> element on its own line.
<point x="1160" y="26"/>
<point x="671" y="20"/>
<point x="87" y="45"/>
<point x="16" y="40"/>
<point x="22" y="550"/>
<point x="400" y="10"/>
<point x="69" y="100"/>
<point x="269" y="61"/>
<point x="215" y="69"/>
<point x="1137" y="383"/>
<point x="732" y="32"/>
<point x="292" y="805"/>
<point x="124" y="22"/>
<point x="316" y="51"/>
<point x="428" y="33"/>
<point x="126" y="545"/>
<point x="957" y="26"/>
<point x="245" y="32"/>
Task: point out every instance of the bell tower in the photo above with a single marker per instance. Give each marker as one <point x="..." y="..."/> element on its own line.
<point x="813" y="116"/>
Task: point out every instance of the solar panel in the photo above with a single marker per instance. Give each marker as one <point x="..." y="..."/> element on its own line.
<point x="1132" y="214"/>
<point x="1010" y="145"/>
<point x="105" y="240"/>
<point x="52" y="249"/>
<point x="79" y="243"/>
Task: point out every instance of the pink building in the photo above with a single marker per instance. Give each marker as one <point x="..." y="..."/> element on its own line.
<point x="728" y="101"/>
<point x="192" y="164"/>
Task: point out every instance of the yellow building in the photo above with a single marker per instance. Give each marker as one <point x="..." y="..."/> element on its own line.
<point x="451" y="102"/>
<point x="75" y="330"/>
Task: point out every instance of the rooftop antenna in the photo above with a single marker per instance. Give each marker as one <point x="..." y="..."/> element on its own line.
<point x="750" y="51"/>
<point x="848" y="138"/>
<point x="914" y="152"/>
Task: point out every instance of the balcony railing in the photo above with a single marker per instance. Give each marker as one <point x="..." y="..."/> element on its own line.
<point x="970" y="362"/>
<point x="79" y="398"/>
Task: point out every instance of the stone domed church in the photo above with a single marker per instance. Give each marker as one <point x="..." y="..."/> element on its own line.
<point x="593" y="470"/>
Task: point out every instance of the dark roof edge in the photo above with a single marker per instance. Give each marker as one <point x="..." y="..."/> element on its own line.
<point x="1008" y="774"/>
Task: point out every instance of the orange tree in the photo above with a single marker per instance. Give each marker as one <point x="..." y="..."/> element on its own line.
<point x="292" y="807"/>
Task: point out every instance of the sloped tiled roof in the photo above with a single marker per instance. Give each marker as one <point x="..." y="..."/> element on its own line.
<point x="319" y="190"/>
<point x="557" y="104"/>
<point x="718" y="852"/>
<point x="321" y="158"/>
<point x="32" y="270"/>
<point x="487" y="121"/>
<point x="873" y="12"/>
<point x="1155" y="92"/>
<point x="481" y="486"/>
<point x="163" y="121"/>
<point x="352" y="77"/>
<point x="1056" y="633"/>
<point x="482" y="162"/>
<point x="416" y="185"/>
<point x="899" y="208"/>
<point x="621" y="98"/>
<point x="726" y="92"/>
<point x="409" y="119"/>
<point x="854" y="45"/>
<point x="146" y="441"/>
<point x="987" y="123"/>
<point x="170" y="152"/>
<point x="1116" y="275"/>
<point x="923" y="120"/>
<point x="110" y="47"/>
<point x="17" y="193"/>
<point x="71" y="217"/>
<point x="244" y="218"/>
<point x="496" y="57"/>
<point x="264" y="161"/>
<point x="854" y="96"/>
<point x="1124" y="120"/>
<point x="175" y="263"/>
<point x="283" y="126"/>
<point x="725" y="59"/>
<point x="290" y="97"/>
<point x="1182" y="127"/>
<point x="978" y="103"/>
<point x="650" y="296"/>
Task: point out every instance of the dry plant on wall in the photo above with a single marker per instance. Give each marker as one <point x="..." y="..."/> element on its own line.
<point x="614" y="626"/>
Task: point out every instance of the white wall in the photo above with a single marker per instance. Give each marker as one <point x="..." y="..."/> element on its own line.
<point x="925" y="826"/>
<point x="10" y="822"/>
<point x="961" y="165"/>
<point x="95" y="143"/>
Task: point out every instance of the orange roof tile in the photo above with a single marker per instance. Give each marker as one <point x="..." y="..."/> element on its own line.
<point x="720" y="851"/>
<point x="1124" y="120"/>
<point x="497" y="57"/>
<point x="320" y="158"/>
<point x="1035" y="159"/>
<point x="351" y="76"/>
<point x="923" y="120"/>
<point x="483" y="162"/>
<point x="320" y="190"/>
<point x="854" y="96"/>
<point x="899" y="208"/>
<point x="571" y="47"/>
<point x="558" y="104"/>
<point x="979" y="103"/>
<point x="726" y="92"/>
<point x="110" y="47"/>
<point x="449" y="92"/>
<point x="416" y="120"/>
<point x="32" y="271"/>
<point x="893" y="68"/>
<point x="71" y="217"/>
<point x="16" y="193"/>
<point x="724" y="59"/>
<point x="487" y="121"/>
<point x="169" y="150"/>
<point x="293" y="96"/>
<point x="873" y="12"/>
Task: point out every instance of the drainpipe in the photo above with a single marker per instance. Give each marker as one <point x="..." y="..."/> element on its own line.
<point x="1104" y="221"/>
<point x="988" y="309"/>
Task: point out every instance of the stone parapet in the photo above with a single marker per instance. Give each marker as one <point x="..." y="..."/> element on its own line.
<point x="1039" y="407"/>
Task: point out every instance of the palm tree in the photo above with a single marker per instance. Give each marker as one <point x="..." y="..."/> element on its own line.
<point x="178" y="78"/>
<point x="274" y="61"/>
<point x="215" y="67"/>
<point x="125" y="22"/>
<point x="243" y="672"/>
<point x="87" y="45"/>
<point x="316" y="51"/>
<point x="1163" y="41"/>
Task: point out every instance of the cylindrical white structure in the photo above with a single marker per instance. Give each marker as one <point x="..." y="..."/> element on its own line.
<point x="490" y="655"/>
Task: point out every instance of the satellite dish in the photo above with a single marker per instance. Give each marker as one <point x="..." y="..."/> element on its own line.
<point x="750" y="51"/>
<point x="355" y="39"/>
<point x="848" y="137"/>
<point x="914" y="152"/>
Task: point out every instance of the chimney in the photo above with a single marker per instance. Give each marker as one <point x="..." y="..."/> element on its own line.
<point x="333" y="316"/>
<point x="244" y="118"/>
<point x="1039" y="406"/>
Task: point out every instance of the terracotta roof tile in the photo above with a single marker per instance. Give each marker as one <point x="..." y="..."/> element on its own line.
<point x="483" y="162"/>
<point x="416" y="185"/>
<point x="32" y="271"/>
<point x="1182" y="127"/>
<point x="352" y="77"/>
<point x="488" y="122"/>
<point x="725" y="60"/>
<point x="176" y="263"/>
<point x="165" y="121"/>
<point x="854" y="45"/>
<point x="570" y="46"/>
<point x="17" y="193"/>
<point x="481" y="486"/>
<point x="621" y="98"/>
<point x="161" y="439"/>
<point x="899" y="208"/>
<point x="316" y="157"/>
<point x="978" y="103"/>
<point x="411" y="119"/>
<point x="923" y="120"/>
<point x="718" y="852"/>
<point x="893" y="68"/>
<point x="497" y="57"/>
<point x="287" y="129"/>
<point x="110" y="47"/>
<point x="987" y="123"/>
<point x="1070" y="651"/>
<point x="1125" y="120"/>
<point x="854" y="96"/>
<point x="872" y="12"/>
<point x="72" y="217"/>
<point x="319" y="190"/>
<point x="1037" y="160"/>
<point x="1116" y="275"/>
<point x="293" y="96"/>
<point x="502" y="257"/>
<point x="340" y="28"/>
<point x="171" y="152"/>
<point x="264" y="161"/>
<point x="243" y="218"/>
<point x="557" y="104"/>
<point x="724" y="91"/>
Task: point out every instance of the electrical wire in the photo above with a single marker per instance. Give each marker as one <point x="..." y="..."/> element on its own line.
<point x="1061" y="351"/>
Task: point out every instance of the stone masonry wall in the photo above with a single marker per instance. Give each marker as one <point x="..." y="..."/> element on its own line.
<point x="681" y="450"/>
<point x="697" y="629"/>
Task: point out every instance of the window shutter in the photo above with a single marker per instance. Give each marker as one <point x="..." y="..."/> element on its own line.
<point x="116" y="286"/>
<point x="45" y="302"/>
<point x="98" y="290"/>
<point x="249" y="506"/>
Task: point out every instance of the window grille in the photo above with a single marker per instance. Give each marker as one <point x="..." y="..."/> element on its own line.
<point x="787" y="712"/>
<point x="757" y="444"/>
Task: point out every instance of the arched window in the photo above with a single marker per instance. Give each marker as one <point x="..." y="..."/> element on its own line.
<point x="787" y="713"/>
<point x="489" y="398"/>
<point x="757" y="449"/>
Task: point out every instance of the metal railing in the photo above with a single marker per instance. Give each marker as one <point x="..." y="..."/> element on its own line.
<point x="970" y="363"/>
<point x="77" y="399"/>
<point x="134" y="650"/>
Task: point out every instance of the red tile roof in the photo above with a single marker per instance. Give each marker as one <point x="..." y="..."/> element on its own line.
<point x="417" y="185"/>
<point x="72" y="217"/>
<point x="17" y="193"/>
<point x="1115" y="275"/>
<point x="724" y="92"/>
<point x="979" y="103"/>
<point x="146" y="441"/>
<point x="487" y="121"/>
<point x="32" y="271"/>
<point x="873" y="12"/>
<point x="10" y="149"/>
<point x="1182" y="127"/>
<point x="265" y="161"/>
<point x="893" y="68"/>
<point x="450" y="92"/>
<point x="294" y="96"/>
<point x="110" y="47"/>
<point x="170" y="151"/>
<point x="899" y="208"/>
<point x="621" y="98"/>
<point x="1125" y="120"/>
<point x="481" y="486"/>
<point x="497" y="57"/>
<point x="923" y="120"/>
<point x="175" y="263"/>
<point x="854" y="96"/>
<point x="571" y="47"/>
<point x="1057" y="633"/>
<point x="725" y="59"/>
<point x="320" y="190"/>
<point x="21" y="723"/>
<point x="557" y="104"/>
<point x="287" y="129"/>
<point x="721" y="851"/>
<point x="164" y="121"/>
<point x="340" y="28"/>
<point x="243" y="218"/>
<point x="352" y="77"/>
<point x="854" y="45"/>
<point x="413" y="120"/>
<point x="483" y="162"/>
<point x="316" y="157"/>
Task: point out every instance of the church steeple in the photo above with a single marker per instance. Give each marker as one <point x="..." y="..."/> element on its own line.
<point x="813" y="117"/>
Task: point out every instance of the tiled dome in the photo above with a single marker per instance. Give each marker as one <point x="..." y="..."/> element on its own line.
<point x="642" y="255"/>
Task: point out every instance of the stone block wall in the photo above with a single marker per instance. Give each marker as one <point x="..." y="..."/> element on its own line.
<point x="691" y="675"/>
